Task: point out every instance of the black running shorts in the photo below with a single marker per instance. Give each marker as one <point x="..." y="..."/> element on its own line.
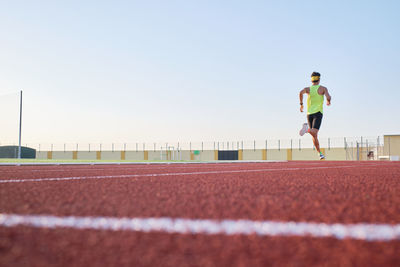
<point x="314" y="120"/>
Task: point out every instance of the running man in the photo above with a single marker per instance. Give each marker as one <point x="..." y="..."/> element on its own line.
<point x="315" y="103"/>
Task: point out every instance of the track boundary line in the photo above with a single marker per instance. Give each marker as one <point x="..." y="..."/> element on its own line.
<point x="359" y="231"/>
<point x="136" y="162"/>
<point x="169" y="174"/>
<point x="154" y="167"/>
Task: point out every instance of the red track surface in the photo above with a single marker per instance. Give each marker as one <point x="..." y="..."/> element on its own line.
<point x="330" y="192"/>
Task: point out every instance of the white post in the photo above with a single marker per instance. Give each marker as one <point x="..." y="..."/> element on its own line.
<point x="20" y="126"/>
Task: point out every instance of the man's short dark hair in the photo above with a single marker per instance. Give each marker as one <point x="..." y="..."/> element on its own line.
<point x="315" y="74"/>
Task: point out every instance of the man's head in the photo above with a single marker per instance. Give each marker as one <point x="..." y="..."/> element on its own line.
<point x="315" y="77"/>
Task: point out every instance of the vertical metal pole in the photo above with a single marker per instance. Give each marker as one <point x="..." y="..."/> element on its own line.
<point x="242" y="145"/>
<point x="64" y="148"/>
<point x="124" y="146"/>
<point x="20" y="126"/>
<point x="299" y="144"/>
<point x="377" y="147"/>
<point x="358" y="151"/>
<point x="329" y="143"/>
<point x="51" y="147"/>
<point x="218" y="145"/>
<point x="361" y="147"/>
<point x="352" y="151"/>
<point x="190" y="146"/>
<point x="279" y="145"/>
<point x="155" y="147"/>
<point x="112" y="147"/>
<point x="76" y="146"/>
<point x="89" y="148"/>
<point x="254" y="145"/>
<point x="144" y="146"/>
<point x="136" y="147"/>
<point x="100" y="147"/>
<point x="350" y="146"/>
<point x="227" y="145"/>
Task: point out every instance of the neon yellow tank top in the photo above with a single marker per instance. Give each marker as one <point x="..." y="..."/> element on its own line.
<point x="315" y="101"/>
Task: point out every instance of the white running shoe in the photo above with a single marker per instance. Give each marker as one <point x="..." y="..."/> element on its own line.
<point x="321" y="156"/>
<point x="304" y="129"/>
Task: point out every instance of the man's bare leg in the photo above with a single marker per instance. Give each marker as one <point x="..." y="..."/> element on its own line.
<point x="314" y="134"/>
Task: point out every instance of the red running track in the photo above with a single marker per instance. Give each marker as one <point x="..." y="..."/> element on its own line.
<point x="326" y="192"/>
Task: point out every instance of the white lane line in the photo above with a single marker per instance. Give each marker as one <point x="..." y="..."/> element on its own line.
<point x="166" y="166"/>
<point x="165" y="174"/>
<point x="118" y="169"/>
<point x="360" y="231"/>
<point x="169" y="167"/>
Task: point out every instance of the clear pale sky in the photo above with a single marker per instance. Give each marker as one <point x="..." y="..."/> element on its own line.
<point x="127" y="71"/>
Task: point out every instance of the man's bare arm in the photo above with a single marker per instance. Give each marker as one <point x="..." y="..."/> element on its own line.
<point x="328" y="97"/>
<point x="302" y="92"/>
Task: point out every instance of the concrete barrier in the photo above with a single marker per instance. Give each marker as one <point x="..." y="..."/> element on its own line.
<point x="186" y="155"/>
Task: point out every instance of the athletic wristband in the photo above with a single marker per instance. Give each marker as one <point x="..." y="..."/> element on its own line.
<point x="301" y="104"/>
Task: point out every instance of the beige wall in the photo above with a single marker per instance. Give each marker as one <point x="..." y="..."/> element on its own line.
<point x="110" y="155"/>
<point x="391" y="145"/>
<point x="209" y="155"/>
<point x="43" y="155"/>
<point x="67" y="155"/>
<point x="335" y="154"/>
<point x="206" y="155"/>
<point x="153" y="155"/>
<point x="135" y="155"/>
<point x="305" y="154"/>
<point x="252" y="154"/>
<point x="156" y="155"/>
<point x="185" y="154"/>
<point x="84" y="155"/>
<point x="276" y="154"/>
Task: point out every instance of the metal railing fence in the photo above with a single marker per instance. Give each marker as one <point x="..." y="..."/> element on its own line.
<point x="375" y="143"/>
